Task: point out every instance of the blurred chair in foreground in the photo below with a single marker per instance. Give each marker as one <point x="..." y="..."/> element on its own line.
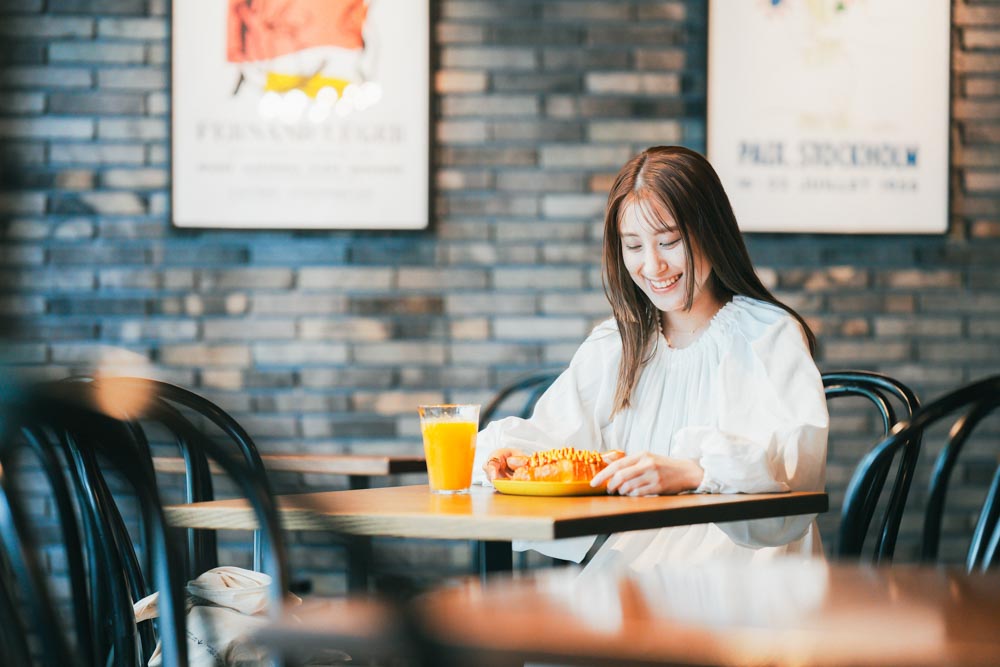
<point x="86" y="426"/>
<point x="868" y="481"/>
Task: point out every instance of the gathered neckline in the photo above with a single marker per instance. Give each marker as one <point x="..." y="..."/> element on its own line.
<point x="720" y="316"/>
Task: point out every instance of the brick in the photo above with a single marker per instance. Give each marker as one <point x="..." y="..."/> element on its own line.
<point x="459" y="81"/>
<point x="490" y="106"/>
<point x="573" y="206"/>
<point x="967" y="351"/>
<point x="22" y="103"/>
<point x="584" y="59"/>
<point x="492" y="58"/>
<point x="536" y="130"/>
<point x="459" y="33"/>
<point x="389" y="353"/>
<point x="133" y="78"/>
<point x="469" y="329"/>
<point x="550" y="34"/>
<point x="649" y="34"/>
<point x="97" y="6"/>
<point x="22" y="305"/>
<point x="345" y="278"/>
<point x="572" y="253"/>
<point x="21" y="203"/>
<point x="586" y="11"/>
<point x="149" y="330"/>
<point x="854" y="352"/>
<point x="462" y="131"/>
<point x="520" y="82"/>
<point x="135" y="179"/>
<point x="982" y="86"/>
<point x="649" y="132"/>
<point x="396" y="402"/>
<point x="20" y="255"/>
<point x="135" y="29"/>
<point x="369" y="378"/>
<point x="46" y="27"/>
<point x="94" y="153"/>
<point x="984" y="327"/>
<point x="233" y="329"/>
<point x="205" y="355"/>
<point x="143" y="129"/>
<point x="633" y="83"/>
<point x="543" y="230"/>
<point x="23" y="353"/>
<point x="584" y="156"/>
<point x="967" y="13"/>
<point x="477" y="156"/>
<point x="921" y="279"/>
<point x="46" y="128"/>
<point x="660" y="59"/>
<point x="918" y="327"/>
<point x="97" y="254"/>
<point x="538" y="180"/>
<point x="537" y="278"/>
<point x="349" y="328"/>
<point x="488" y="204"/>
<point x="540" y="328"/>
<point x="490" y="303"/>
<point x="594" y="304"/>
<point x="963" y="61"/>
<point x="25" y="229"/>
<point x="979" y="181"/>
<point x="45" y="77"/>
<point x="485" y="354"/>
<point x="96" y="52"/>
<point x="299" y="353"/>
<point x="97" y="306"/>
<point x="432" y="278"/>
<point x="663" y="11"/>
<point x="97" y="103"/>
<point x="960" y="302"/>
<point x="296" y="303"/>
<point x="473" y="9"/>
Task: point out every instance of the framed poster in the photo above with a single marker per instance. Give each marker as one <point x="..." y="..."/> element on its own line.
<point x="300" y="114"/>
<point x="831" y="115"/>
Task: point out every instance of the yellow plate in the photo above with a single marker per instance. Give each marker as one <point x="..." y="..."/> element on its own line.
<point x="516" y="487"/>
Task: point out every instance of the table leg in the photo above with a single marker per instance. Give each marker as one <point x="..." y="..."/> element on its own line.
<point x="359" y="481"/>
<point x="359" y="547"/>
<point x="495" y="557"/>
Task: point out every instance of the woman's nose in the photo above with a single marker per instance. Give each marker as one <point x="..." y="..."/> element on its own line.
<point x="653" y="261"/>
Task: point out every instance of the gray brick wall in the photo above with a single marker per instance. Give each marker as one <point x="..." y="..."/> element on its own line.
<point x="327" y="341"/>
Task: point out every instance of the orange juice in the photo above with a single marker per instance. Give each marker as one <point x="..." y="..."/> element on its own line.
<point x="449" y="447"/>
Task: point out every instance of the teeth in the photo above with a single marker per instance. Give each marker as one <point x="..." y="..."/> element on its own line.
<point x="661" y="284"/>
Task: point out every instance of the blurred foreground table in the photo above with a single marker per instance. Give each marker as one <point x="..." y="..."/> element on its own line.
<point x="784" y="613"/>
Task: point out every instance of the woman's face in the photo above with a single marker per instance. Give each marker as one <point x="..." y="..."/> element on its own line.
<point x="656" y="260"/>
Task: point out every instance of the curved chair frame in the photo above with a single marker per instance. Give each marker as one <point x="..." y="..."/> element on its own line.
<point x="866" y="484"/>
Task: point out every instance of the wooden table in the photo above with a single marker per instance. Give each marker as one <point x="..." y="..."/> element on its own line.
<point x="359" y="468"/>
<point x="783" y="613"/>
<point x="498" y="519"/>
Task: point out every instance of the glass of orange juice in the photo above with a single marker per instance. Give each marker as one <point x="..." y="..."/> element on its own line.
<point x="449" y="445"/>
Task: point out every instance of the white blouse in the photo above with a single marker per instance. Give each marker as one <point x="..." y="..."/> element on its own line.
<point x="745" y="400"/>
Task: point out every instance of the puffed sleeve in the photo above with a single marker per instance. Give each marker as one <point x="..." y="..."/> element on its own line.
<point x="771" y="432"/>
<point x="571" y="412"/>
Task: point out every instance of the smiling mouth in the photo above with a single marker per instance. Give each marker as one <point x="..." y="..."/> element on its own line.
<point x="658" y="285"/>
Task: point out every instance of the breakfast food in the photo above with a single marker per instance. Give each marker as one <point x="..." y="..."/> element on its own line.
<point x="566" y="464"/>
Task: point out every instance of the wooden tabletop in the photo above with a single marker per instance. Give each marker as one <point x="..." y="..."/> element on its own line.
<point x="320" y="464"/>
<point x="784" y="613"/>
<point x="413" y="511"/>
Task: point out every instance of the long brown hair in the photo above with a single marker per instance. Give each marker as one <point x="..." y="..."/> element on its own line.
<point x="682" y="183"/>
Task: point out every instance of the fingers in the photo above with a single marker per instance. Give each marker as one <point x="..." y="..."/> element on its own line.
<point x="612" y="470"/>
<point x="613" y="455"/>
<point x="515" y="461"/>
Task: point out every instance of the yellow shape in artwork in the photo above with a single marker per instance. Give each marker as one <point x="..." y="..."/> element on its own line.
<point x="310" y="85"/>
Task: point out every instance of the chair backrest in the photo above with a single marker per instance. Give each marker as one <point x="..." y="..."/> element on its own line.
<point x="973" y="403"/>
<point x="63" y="428"/>
<point x="868" y="480"/>
<point x="517" y="398"/>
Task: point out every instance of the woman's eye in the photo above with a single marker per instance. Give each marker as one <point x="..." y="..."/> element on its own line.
<point x="633" y="247"/>
<point x="670" y="244"/>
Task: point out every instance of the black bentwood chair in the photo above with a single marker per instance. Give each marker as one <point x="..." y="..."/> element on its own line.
<point x="518" y="398"/>
<point x="63" y="429"/>
<point x="973" y="403"/>
<point x="866" y="485"/>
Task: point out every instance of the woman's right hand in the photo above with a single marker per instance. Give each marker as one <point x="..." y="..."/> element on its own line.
<point x="503" y="462"/>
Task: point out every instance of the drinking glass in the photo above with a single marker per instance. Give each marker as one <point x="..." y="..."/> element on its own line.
<point x="449" y="445"/>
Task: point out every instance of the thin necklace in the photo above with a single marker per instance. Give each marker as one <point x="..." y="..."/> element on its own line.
<point x="692" y="332"/>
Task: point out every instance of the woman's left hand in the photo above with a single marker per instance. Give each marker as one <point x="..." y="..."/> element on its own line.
<point x="646" y="474"/>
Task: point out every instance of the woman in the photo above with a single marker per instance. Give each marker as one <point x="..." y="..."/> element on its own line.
<point x="702" y="377"/>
